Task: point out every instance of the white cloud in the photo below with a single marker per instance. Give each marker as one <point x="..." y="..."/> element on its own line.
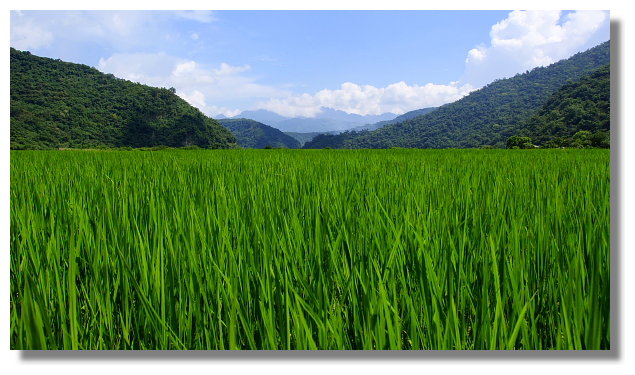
<point x="368" y="100"/>
<point x="522" y="41"/>
<point x="527" y="39"/>
<point x="195" y="98"/>
<point x="201" y="85"/>
<point x="476" y="54"/>
<point x="227" y="112"/>
<point x="27" y="34"/>
<point x="204" y="16"/>
<point x="122" y="31"/>
<point x="226" y="69"/>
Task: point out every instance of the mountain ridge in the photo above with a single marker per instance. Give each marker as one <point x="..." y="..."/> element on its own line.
<point x="57" y="104"/>
<point x="487" y="116"/>
<point x="327" y="120"/>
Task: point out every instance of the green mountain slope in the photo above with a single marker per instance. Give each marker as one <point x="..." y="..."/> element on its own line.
<point x="253" y="134"/>
<point x="583" y="105"/>
<point x="59" y="104"/>
<point x="485" y="117"/>
<point x="303" y="137"/>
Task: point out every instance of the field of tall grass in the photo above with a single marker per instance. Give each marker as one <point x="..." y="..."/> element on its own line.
<point x="310" y="249"/>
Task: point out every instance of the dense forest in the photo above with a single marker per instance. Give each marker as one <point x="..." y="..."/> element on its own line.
<point x="253" y="134"/>
<point x="486" y="117"/>
<point x="55" y="104"/>
<point x="577" y="115"/>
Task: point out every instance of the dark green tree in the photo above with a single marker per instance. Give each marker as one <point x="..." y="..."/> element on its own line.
<point x="519" y="142"/>
<point x="581" y="139"/>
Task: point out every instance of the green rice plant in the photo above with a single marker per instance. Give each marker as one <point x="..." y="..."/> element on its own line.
<point x="310" y="249"/>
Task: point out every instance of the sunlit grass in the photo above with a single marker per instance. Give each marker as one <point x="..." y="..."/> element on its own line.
<point x="302" y="249"/>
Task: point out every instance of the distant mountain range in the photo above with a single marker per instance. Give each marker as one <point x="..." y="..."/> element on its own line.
<point x="303" y="138"/>
<point x="327" y="120"/>
<point x="401" y="118"/>
<point x="56" y="104"/>
<point x="486" y="117"/>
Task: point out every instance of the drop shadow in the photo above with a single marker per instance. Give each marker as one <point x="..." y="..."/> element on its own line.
<point x="616" y="186"/>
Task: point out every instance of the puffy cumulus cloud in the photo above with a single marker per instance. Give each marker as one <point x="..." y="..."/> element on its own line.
<point x="368" y="100"/>
<point x="527" y="39"/>
<point x="201" y="85"/>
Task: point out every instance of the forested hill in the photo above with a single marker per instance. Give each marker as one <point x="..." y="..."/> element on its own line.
<point x="485" y="117"/>
<point x="59" y="104"/>
<point x="582" y="106"/>
<point x="253" y="134"/>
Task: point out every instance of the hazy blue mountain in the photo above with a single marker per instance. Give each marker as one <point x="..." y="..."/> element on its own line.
<point x="312" y="125"/>
<point x="326" y="121"/>
<point x="262" y="116"/>
<point x="334" y="114"/>
<point x="400" y="118"/>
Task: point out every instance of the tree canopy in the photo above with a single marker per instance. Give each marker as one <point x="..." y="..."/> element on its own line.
<point x="577" y="115"/>
<point x="58" y="104"/>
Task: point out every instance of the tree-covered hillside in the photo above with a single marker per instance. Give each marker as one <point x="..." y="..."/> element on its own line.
<point x="485" y="117"/>
<point x="253" y="134"/>
<point x="58" y="104"/>
<point x="581" y="106"/>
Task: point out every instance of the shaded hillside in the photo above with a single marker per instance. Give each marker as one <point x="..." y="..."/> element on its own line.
<point x="330" y="140"/>
<point x="485" y="117"/>
<point x="584" y="105"/>
<point x="59" y="104"/>
<point x="253" y="134"/>
<point x="303" y="137"/>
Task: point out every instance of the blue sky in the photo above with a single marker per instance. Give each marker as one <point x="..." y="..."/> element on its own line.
<point x="297" y="62"/>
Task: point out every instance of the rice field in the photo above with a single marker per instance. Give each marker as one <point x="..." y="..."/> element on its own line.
<point x="310" y="249"/>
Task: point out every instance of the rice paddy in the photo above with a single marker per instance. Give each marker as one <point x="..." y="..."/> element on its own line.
<point x="310" y="249"/>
